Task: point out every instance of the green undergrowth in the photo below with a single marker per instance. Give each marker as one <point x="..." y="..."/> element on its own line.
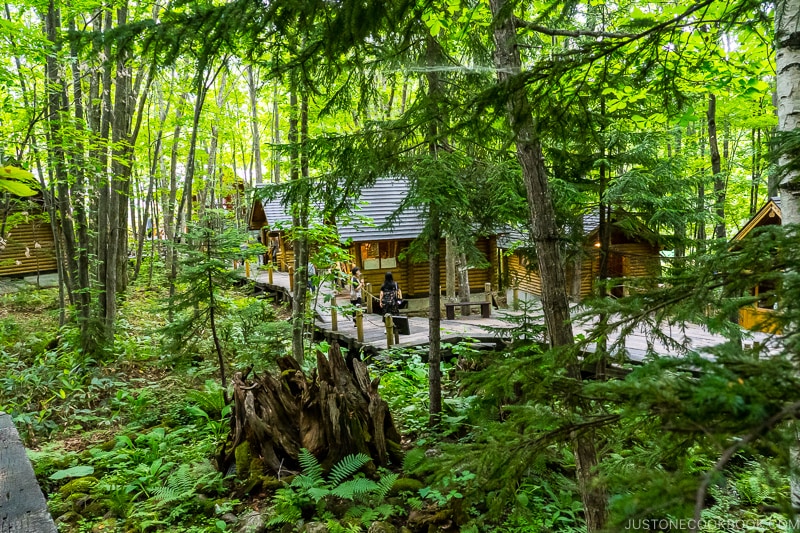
<point x="127" y="441"/>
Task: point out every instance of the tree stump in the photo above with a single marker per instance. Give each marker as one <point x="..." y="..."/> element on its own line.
<point x="334" y="413"/>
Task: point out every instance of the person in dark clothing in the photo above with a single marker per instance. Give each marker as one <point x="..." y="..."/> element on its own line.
<point x="390" y="294"/>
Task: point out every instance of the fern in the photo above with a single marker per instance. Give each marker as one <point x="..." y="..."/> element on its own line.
<point x="210" y="400"/>
<point x="311" y="467"/>
<point x="354" y="488"/>
<point x="288" y="508"/>
<point x="347" y="467"/>
<point x="413" y="459"/>
<point x="180" y="484"/>
<point x="385" y="484"/>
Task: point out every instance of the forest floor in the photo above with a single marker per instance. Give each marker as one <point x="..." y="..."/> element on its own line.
<point x="126" y="441"/>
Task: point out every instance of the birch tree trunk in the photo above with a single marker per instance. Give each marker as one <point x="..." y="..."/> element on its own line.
<point x="787" y="62"/>
<point x="545" y="237"/>
<point x="787" y="37"/>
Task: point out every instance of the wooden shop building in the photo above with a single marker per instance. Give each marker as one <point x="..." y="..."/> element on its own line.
<point x="758" y="316"/>
<point x="634" y="253"/>
<point x="377" y="246"/>
<point x="27" y="246"/>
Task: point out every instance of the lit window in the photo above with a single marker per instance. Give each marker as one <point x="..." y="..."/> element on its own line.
<point x="379" y="255"/>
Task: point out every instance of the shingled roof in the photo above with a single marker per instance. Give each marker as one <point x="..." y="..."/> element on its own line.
<point x="377" y="204"/>
<point x="369" y="222"/>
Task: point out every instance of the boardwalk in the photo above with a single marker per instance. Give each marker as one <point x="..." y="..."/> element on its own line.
<point x="492" y="329"/>
<point x="22" y="505"/>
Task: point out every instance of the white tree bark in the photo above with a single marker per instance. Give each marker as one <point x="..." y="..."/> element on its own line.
<point x="787" y="61"/>
<point x="787" y="43"/>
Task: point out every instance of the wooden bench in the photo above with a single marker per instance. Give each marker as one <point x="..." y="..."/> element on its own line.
<point x="23" y="508"/>
<point x="450" y="309"/>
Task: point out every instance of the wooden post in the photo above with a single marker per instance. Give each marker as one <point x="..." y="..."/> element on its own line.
<point x="387" y="320"/>
<point x="487" y="289"/>
<point x="334" y="318"/>
<point x="368" y="296"/>
<point x="359" y="325"/>
<point x="270" y="267"/>
<point x="516" y="298"/>
<point x="291" y="279"/>
<point x="247" y="269"/>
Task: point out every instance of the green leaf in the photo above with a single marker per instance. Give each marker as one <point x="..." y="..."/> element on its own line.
<point x="75" y="471"/>
<point x="17" y="188"/>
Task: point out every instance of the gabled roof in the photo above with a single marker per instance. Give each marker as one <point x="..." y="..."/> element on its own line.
<point x="769" y="215"/>
<point x="377" y="204"/>
<point x="374" y="207"/>
<point x="521" y="236"/>
<point x="268" y="213"/>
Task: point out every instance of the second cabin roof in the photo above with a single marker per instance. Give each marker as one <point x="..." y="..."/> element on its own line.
<point x="373" y="219"/>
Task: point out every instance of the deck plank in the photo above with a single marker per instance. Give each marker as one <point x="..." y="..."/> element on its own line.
<point x="23" y="508"/>
<point x="637" y="344"/>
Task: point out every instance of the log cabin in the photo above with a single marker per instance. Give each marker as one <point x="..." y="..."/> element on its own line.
<point x="27" y="246"/>
<point x="269" y="218"/>
<point x="376" y="245"/>
<point x="634" y="253"/>
<point x="758" y="316"/>
<point x="382" y="246"/>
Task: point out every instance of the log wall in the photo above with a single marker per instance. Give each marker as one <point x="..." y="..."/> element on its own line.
<point x="21" y="255"/>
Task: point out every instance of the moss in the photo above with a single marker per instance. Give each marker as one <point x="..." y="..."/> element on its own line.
<point x="57" y="506"/>
<point x="243" y="458"/>
<point x="106" y="524"/>
<point x="269" y="483"/>
<point x="81" y="484"/>
<point x="108" y="445"/>
<point x="407" y="484"/>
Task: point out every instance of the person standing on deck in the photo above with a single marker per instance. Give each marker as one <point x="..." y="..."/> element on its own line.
<point x="356" y="287"/>
<point x="390" y="294"/>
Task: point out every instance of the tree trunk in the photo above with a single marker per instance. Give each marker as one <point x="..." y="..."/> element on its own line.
<point x="78" y="192"/>
<point x="787" y="62"/>
<point x="252" y="86"/>
<point x="462" y="269"/>
<point x="212" y="319"/>
<point x="299" y="223"/>
<point x="755" y="169"/>
<point x="335" y="412"/>
<point x="716" y="168"/>
<point x="700" y="233"/>
<point x="56" y="114"/>
<point x="103" y="185"/>
<point x="450" y="269"/>
<point x="276" y="137"/>
<point x="434" y="320"/>
<point x="787" y="37"/>
<point x="433" y="57"/>
<point x="155" y="157"/>
<point x="545" y="236"/>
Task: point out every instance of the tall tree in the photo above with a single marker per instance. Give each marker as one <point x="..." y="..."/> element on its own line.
<point x="545" y="234"/>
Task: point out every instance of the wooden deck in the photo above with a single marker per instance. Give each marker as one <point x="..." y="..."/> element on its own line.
<point x="23" y="508"/>
<point x="485" y="330"/>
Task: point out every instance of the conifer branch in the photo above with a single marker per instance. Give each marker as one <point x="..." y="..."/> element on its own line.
<point x="538" y="28"/>
<point x="727" y="455"/>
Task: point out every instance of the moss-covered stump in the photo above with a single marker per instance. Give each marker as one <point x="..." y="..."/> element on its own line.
<point x="334" y="412"/>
